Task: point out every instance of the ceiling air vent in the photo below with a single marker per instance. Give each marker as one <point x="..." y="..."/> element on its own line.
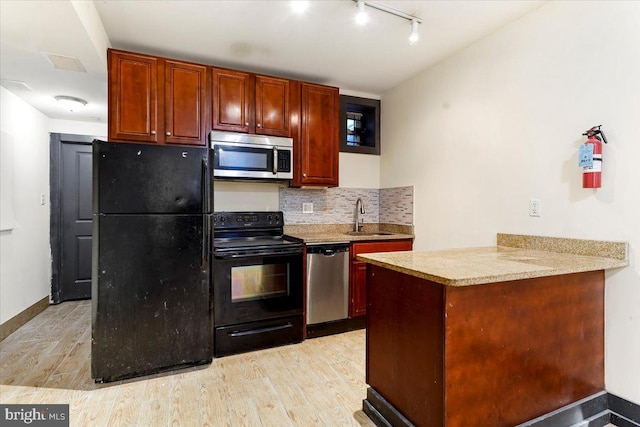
<point x="15" y="85"/>
<point x="68" y="63"/>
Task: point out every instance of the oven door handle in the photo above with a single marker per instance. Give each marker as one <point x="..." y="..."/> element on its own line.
<point x="257" y="254"/>
<point x="236" y="334"/>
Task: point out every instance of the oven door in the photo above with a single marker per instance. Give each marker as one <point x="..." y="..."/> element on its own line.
<point x="236" y="160"/>
<point x="251" y="287"/>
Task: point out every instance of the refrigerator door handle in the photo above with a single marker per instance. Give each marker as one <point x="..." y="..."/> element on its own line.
<point x="206" y="191"/>
<point x="206" y="230"/>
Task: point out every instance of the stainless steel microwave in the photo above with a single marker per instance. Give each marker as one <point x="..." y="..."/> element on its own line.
<point x="244" y="156"/>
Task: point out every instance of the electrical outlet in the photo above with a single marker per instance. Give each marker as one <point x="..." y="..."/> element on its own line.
<point x="307" y="208"/>
<point x="534" y="207"/>
<point x="42" y="199"/>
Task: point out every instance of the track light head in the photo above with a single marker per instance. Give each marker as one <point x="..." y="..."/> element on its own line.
<point x="414" y="36"/>
<point x="361" y="16"/>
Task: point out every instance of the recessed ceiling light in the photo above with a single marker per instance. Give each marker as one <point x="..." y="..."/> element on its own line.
<point x="68" y="63"/>
<point x="299" y="6"/>
<point x="71" y="103"/>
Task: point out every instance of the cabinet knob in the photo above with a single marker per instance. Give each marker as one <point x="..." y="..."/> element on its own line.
<point x="246" y="123"/>
<point x="259" y="125"/>
<point x="153" y="132"/>
<point x="304" y="175"/>
<point x="168" y="133"/>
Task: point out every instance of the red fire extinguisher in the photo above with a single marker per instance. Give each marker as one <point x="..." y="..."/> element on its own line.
<point x="591" y="158"/>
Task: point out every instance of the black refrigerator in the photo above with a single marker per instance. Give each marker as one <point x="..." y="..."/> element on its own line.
<point x="151" y="280"/>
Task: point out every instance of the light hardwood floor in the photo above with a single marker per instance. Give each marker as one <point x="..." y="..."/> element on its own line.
<point x="318" y="382"/>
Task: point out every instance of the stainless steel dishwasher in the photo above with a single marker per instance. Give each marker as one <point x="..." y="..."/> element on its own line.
<point x="327" y="282"/>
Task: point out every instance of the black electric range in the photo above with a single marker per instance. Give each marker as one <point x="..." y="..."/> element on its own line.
<point x="258" y="283"/>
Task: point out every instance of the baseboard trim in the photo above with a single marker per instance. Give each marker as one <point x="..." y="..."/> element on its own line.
<point x="596" y="410"/>
<point x="12" y="325"/>
<point x="336" y="327"/>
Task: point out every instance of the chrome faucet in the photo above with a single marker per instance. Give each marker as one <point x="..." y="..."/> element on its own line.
<point x="359" y="221"/>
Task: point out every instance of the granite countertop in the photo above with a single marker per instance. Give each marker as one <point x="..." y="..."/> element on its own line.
<point x="516" y="257"/>
<point x="333" y="233"/>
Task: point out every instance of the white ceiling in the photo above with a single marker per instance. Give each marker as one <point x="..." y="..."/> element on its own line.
<point x="322" y="45"/>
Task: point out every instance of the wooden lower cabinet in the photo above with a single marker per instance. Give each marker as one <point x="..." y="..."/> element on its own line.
<point x="358" y="270"/>
<point x="489" y="355"/>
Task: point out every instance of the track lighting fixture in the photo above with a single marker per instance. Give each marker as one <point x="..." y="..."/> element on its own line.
<point x="361" y="17"/>
<point x="414" y="36"/>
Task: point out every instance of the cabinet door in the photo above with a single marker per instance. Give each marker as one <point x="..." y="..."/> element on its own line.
<point x="358" y="270"/>
<point x="272" y="106"/>
<point x="318" y="145"/>
<point x="358" y="289"/>
<point x="231" y="100"/>
<point x="185" y="103"/>
<point x="133" y="100"/>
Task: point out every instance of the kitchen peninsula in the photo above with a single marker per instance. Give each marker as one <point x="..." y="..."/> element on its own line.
<point x="490" y="336"/>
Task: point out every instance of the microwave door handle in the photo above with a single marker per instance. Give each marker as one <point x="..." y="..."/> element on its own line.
<point x="275" y="160"/>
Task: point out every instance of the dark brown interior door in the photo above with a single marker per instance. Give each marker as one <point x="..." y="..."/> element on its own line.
<point x="76" y="220"/>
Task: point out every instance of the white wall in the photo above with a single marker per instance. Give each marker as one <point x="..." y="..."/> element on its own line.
<point x="97" y="129"/>
<point x="25" y="266"/>
<point x="500" y="123"/>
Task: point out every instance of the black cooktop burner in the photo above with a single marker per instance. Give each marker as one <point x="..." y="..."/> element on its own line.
<point x="254" y="242"/>
<point x="243" y="231"/>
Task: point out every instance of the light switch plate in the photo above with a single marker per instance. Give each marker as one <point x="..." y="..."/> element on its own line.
<point x="307" y="208"/>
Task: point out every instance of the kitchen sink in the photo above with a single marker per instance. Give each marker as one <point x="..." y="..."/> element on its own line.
<point x="368" y="233"/>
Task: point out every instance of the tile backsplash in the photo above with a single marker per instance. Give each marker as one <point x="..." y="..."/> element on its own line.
<point x="337" y="205"/>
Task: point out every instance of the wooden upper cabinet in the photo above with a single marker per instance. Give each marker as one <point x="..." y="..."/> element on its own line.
<point x="133" y="97"/>
<point x="185" y="104"/>
<point x="231" y="100"/>
<point x="317" y="148"/>
<point x="272" y="106"/>
<point x="172" y="110"/>
<point x="244" y="102"/>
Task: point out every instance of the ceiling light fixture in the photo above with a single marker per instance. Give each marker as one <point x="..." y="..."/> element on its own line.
<point x="71" y="103"/>
<point x="414" y="36"/>
<point x="361" y="16"/>
<point x="299" y="6"/>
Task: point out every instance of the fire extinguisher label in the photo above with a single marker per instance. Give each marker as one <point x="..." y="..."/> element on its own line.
<point x="585" y="157"/>
<point x="596" y="164"/>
